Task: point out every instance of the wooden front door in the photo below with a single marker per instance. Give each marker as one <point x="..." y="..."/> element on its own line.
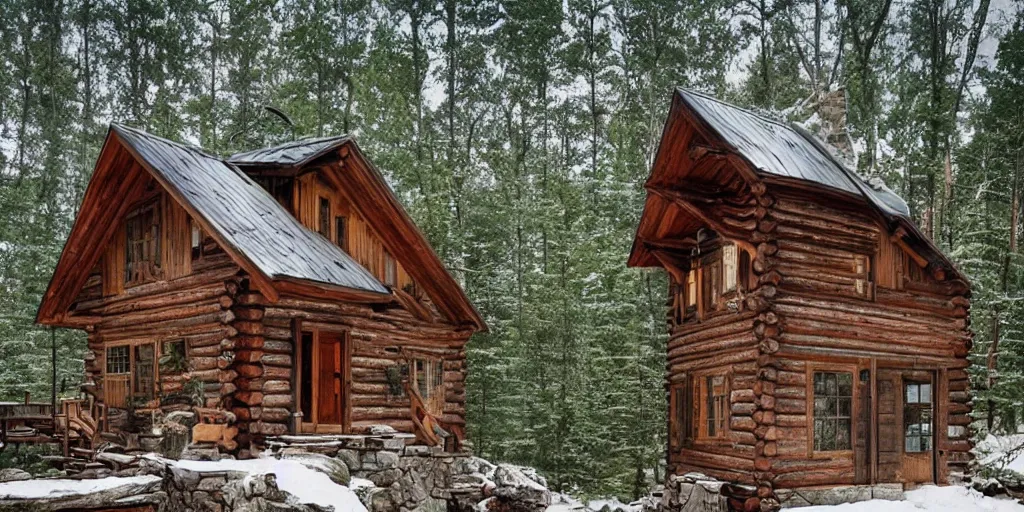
<point x="330" y="379"/>
<point x="325" y="378"/>
<point x="905" y="426"/>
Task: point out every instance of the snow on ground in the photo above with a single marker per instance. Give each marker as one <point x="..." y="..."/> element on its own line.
<point x="56" y="488"/>
<point x="306" y="484"/>
<point x="929" y="499"/>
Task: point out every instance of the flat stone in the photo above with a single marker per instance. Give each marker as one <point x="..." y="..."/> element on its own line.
<point x="836" y="495"/>
<point x="350" y="458"/>
<point x="14" y="475"/>
<point x="891" y="492"/>
<point x="215" y="483"/>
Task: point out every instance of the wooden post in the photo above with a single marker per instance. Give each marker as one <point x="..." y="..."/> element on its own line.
<point x="53" y="367"/>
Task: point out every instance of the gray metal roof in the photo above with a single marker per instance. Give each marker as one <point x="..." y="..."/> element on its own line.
<point x="289" y="154"/>
<point x="779" y="149"/>
<point x="246" y="216"/>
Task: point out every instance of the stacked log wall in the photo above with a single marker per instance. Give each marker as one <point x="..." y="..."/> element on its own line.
<point x="380" y="339"/>
<point x="724" y="343"/>
<point x="822" y="318"/>
<point x="196" y="309"/>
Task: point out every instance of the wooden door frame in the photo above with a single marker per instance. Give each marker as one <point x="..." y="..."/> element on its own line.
<point x="301" y="425"/>
<point x="937" y="388"/>
<point x="132" y="344"/>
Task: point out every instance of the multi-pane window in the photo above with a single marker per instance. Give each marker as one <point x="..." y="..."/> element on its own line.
<point x="340" y="230"/>
<point x="427" y="377"/>
<point x="716" y="402"/>
<point x="862" y="285"/>
<point x="833" y="405"/>
<point x="118" y="360"/>
<point x="325" y="217"/>
<point x="917" y="417"/>
<point x="707" y="408"/>
<point x="710" y="279"/>
<point x="142" y="244"/>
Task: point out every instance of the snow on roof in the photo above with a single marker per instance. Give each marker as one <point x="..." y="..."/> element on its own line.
<point x="57" y="488"/>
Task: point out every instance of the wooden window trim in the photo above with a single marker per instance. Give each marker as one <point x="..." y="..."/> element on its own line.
<point x="132" y="391"/>
<point x="907" y="405"/>
<point x="854" y="409"/>
<point x="697" y="424"/>
<point x="678" y="414"/>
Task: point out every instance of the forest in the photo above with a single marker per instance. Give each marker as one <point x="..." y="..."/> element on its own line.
<point x="519" y="133"/>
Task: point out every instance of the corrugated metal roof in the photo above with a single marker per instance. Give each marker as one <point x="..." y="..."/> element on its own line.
<point x="247" y="217"/>
<point x="289" y="154"/>
<point x="779" y="149"/>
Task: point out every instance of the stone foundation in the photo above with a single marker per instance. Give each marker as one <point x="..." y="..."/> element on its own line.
<point x="836" y="495"/>
<point x="385" y="473"/>
<point x="167" y="488"/>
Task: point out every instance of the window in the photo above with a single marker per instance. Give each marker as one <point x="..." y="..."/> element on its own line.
<point x="142" y="244"/>
<point x="197" y="240"/>
<point x="833" y="404"/>
<point x="917" y="417"/>
<point x="325" y="217"/>
<point x="145" y="374"/>
<point x="862" y="283"/>
<point x="712" y="275"/>
<point x="691" y="288"/>
<point x="390" y="270"/>
<point x="714" y="390"/>
<point x="708" y="407"/>
<point x="427" y="377"/>
<point x="117" y="360"/>
<point x="131" y="372"/>
<point x="729" y="268"/>
<point x="340" y="232"/>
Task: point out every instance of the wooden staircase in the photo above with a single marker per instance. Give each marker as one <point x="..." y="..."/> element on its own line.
<point x="431" y="429"/>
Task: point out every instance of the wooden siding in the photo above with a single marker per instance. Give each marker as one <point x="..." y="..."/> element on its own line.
<point x="363" y="243"/>
<point x="175" y="248"/>
<point x="922" y="328"/>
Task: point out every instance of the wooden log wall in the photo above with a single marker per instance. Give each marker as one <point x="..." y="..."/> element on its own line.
<point x="362" y="243"/>
<point x="380" y="339"/>
<point x="821" y="319"/>
<point x="194" y="308"/>
<point x="766" y="329"/>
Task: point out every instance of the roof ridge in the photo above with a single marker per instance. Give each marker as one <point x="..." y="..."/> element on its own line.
<point x="188" y="147"/>
<point x="762" y="117"/>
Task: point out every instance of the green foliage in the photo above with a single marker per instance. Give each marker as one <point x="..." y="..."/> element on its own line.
<point x="519" y="135"/>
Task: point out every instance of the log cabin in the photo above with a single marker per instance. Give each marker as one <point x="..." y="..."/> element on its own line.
<point x="816" y="337"/>
<point x="285" y="285"/>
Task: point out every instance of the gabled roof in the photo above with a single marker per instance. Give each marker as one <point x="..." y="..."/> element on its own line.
<point x="775" y="149"/>
<point x="369" y="192"/>
<point x="246" y="217"/>
<point x="297" y="153"/>
<point x="254" y="229"/>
